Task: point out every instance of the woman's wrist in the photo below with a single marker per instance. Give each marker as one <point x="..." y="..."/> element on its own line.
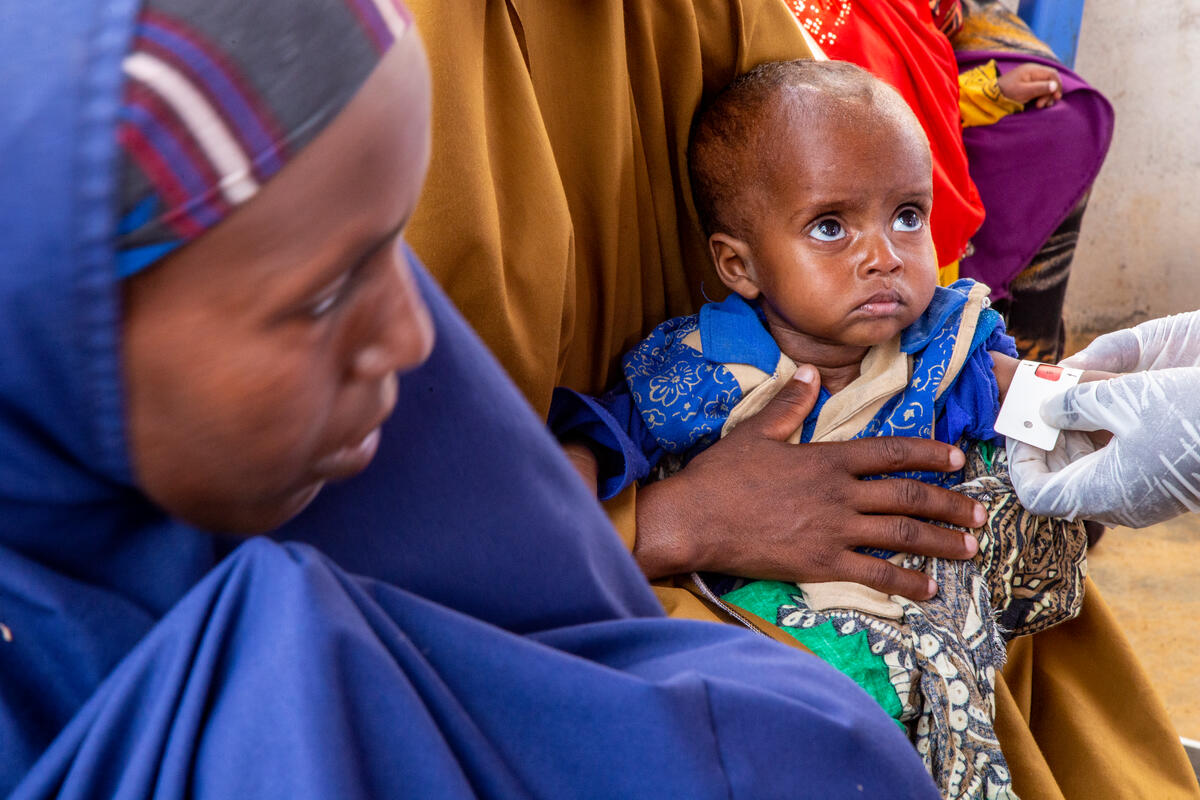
<point x="666" y="525"/>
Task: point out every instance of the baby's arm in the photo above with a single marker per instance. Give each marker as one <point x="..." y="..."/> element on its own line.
<point x="585" y="463"/>
<point x="1004" y="366"/>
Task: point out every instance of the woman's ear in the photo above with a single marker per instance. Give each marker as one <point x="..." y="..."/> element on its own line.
<point x="734" y="264"/>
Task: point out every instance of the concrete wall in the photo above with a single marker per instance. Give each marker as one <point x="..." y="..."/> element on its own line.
<point x="1140" y="247"/>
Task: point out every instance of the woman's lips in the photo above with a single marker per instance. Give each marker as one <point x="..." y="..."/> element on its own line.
<point x="349" y="460"/>
<point x="882" y="304"/>
<point x="354" y="458"/>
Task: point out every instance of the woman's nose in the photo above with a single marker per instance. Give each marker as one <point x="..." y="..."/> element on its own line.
<point x="401" y="334"/>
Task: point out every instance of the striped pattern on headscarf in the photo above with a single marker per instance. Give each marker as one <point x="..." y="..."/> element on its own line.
<point x="220" y="94"/>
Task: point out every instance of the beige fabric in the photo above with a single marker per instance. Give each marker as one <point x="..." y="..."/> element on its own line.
<point x="759" y="395"/>
<point x="845" y="594"/>
<point x="884" y="373"/>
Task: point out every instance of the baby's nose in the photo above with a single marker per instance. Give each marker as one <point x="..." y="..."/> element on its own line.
<point x="880" y="256"/>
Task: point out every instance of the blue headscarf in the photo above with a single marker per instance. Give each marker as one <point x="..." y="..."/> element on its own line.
<point x="461" y="621"/>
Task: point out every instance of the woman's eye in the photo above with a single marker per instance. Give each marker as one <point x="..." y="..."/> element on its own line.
<point x="827" y="230"/>
<point x="907" y="220"/>
<point x="328" y="299"/>
<point x="322" y="306"/>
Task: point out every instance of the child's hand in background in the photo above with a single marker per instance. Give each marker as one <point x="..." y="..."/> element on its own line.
<point x="1029" y="82"/>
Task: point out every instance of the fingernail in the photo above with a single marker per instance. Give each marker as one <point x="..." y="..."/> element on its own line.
<point x="957" y="459"/>
<point x="1053" y="86"/>
<point x="805" y="373"/>
<point x="931" y="587"/>
<point x="979" y="517"/>
<point x="972" y="544"/>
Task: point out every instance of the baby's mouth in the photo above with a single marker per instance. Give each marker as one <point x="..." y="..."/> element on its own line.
<point x="882" y="303"/>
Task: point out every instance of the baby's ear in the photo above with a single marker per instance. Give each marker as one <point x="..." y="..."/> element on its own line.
<point x="734" y="263"/>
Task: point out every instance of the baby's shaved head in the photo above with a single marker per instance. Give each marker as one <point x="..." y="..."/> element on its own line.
<point x="734" y="140"/>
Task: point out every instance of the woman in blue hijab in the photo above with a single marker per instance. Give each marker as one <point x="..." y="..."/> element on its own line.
<point x="204" y="303"/>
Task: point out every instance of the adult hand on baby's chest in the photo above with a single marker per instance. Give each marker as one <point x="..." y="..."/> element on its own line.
<point x="753" y="505"/>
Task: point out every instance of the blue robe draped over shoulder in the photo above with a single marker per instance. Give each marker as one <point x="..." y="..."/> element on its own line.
<point x="458" y="621"/>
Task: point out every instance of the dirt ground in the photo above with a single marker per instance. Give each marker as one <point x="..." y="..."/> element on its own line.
<point x="1151" y="579"/>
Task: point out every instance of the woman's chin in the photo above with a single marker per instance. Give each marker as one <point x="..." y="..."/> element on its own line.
<point x="251" y="519"/>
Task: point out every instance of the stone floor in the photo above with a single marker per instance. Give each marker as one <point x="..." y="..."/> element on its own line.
<point x="1151" y="579"/>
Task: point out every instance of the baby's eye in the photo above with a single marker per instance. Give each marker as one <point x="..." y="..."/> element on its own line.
<point x="827" y="230"/>
<point x="908" y="220"/>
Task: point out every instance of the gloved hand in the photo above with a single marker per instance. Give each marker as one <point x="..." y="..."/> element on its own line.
<point x="1150" y="471"/>
<point x="1158" y="344"/>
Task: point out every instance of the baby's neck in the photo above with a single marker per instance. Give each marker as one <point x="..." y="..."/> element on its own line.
<point x="838" y="364"/>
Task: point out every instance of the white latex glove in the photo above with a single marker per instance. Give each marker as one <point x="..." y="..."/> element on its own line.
<point x="1157" y="344"/>
<point x="1150" y="471"/>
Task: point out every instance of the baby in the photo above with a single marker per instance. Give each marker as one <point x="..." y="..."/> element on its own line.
<point x="813" y="182"/>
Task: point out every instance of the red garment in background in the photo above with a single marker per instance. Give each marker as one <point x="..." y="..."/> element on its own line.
<point x="900" y="43"/>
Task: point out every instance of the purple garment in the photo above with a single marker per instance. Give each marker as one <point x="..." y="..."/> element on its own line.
<point x="1031" y="168"/>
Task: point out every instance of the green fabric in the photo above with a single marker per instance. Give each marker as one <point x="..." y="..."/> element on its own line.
<point x="987" y="452"/>
<point x="850" y="654"/>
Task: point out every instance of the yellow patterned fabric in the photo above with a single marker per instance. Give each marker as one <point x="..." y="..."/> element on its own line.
<point x="988" y="25"/>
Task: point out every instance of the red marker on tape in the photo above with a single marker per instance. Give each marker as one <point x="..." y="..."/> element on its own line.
<point x="1048" y="372"/>
<point x="1020" y="417"/>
